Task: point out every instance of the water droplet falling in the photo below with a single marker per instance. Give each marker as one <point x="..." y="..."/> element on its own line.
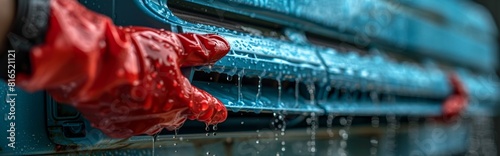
<point x="283" y="148"/>
<point x="257" y="97"/>
<point x="329" y="125"/>
<point x="390" y="134"/>
<point x="155" y="136"/>
<point x="240" y="95"/>
<point x="313" y="122"/>
<point x="344" y="134"/>
<point x="374" y="144"/>
<point x="214" y="127"/>
<point x="310" y="89"/>
<point x="297" y="82"/>
<point x="281" y="117"/>
<point x="207" y="128"/>
<point x="258" y="137"/>
<point x="279" y="91"/>
<point x="331" y="134"/>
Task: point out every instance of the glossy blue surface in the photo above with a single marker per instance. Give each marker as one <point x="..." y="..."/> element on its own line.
<point x="456" y="31"/>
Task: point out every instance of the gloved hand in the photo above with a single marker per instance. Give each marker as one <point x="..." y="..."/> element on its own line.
<point x="125" y="80"/>
<point x="456" y="103"/>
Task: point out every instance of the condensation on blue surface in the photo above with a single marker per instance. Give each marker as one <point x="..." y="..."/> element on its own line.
<point x="378" y="72"/>
<point x="408" y="108"/>
<point x="460" y="29"/>
<point x="268" y="101"/>
<point x="260" y="58"/>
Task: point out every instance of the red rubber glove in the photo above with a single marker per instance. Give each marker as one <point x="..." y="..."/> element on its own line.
<point x="454" y="105"/>
<point x="125" y="81"/>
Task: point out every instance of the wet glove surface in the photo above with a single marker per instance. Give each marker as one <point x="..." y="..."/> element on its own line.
<point x="456" y="103"/>
<point x="125" y="80"/>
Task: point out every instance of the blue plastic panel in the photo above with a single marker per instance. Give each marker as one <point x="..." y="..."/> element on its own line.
<point x="29" y="123"/>
<point x="269" y="100"/>
<point x="461" y="29"/>
<point x="383" y="75"/>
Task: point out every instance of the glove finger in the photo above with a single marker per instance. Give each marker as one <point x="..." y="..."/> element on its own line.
<point x="201" y="49"/>
<point x="201" y="105"/>
<point x="458" y="87"/>
<point x="206" y="108"/>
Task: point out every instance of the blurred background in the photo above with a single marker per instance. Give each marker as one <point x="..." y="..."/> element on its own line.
<point x="493" y="7"/>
